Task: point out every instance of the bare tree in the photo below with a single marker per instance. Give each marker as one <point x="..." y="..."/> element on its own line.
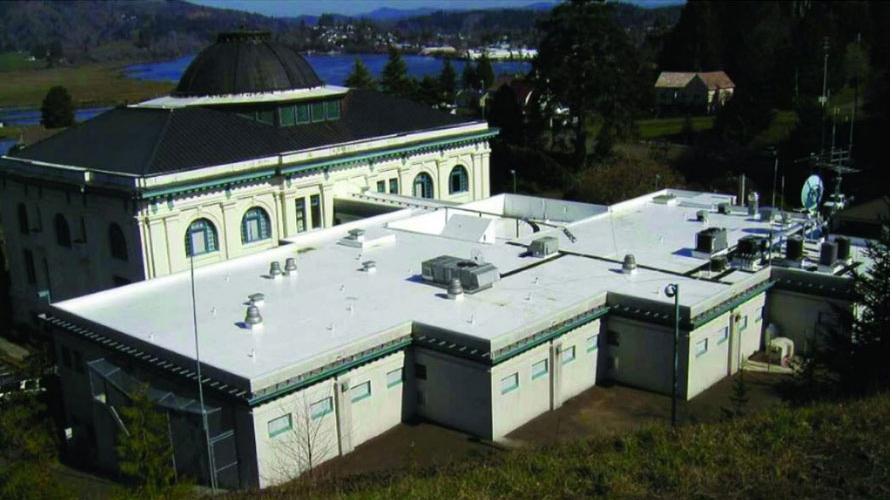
<point x="311" y="439"/>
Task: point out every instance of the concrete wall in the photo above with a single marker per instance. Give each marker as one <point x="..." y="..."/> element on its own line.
<point x="534" y="396"/>
<point x="643" y="356"/>
<point x="311" y="441"/>
<point x="798" y="316"/>
<point x="454" y="393"/>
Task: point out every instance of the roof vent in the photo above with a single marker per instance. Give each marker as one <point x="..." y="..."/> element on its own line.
<point x="725" y="208"/>
<point x="253" y="319"/>
<point x="829" y="253"/>
<point x="795" y="249"/>
<point x="844" y="248"/>
<point x="275" y="269"/>
<point x="544" y="246"/>
<point x="256" y="299"/>
<point x="356" y="234"/>
<point x="369" y="266"/>
<point x="291" y="266"/>
<point x="703" y="216"/>
<point x="629" y="264"/>
<point x="455" y="291"/>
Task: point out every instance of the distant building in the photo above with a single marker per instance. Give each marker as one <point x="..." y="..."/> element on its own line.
<point x="444" y="50"/>
<point x="250" y="148"/>
<point x="703" y="92"/>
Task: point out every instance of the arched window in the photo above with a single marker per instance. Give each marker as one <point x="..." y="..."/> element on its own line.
<point x="23" y="219"/>
<point x="63" y="234"/>
<point x="117" y="242"/>
<point x="458" y="180"/>
<point x="201" y="238"/>
<point x="255" y="225"/>
<point x="423" y="187"/>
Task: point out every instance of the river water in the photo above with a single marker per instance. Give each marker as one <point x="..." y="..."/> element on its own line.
<point x="331" y="68"/>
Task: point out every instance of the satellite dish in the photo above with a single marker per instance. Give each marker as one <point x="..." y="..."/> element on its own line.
<point x="812" y="192"/>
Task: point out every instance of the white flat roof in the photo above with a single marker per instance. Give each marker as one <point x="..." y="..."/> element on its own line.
<point x="333" y="309"/>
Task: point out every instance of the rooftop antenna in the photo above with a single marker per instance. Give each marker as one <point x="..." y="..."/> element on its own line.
<point x="855" y="104"/>
<point x="204" y="416"/>
<point x="823" y="98"/>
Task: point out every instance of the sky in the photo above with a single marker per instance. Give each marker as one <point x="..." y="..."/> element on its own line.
<point x="293" y="8"/>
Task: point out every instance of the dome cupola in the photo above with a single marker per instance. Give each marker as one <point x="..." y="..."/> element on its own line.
<point x="246" y="62"/>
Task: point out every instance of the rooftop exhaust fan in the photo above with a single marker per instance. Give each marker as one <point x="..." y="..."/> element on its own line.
<point x="275" y="269"/>
<point x="291" y="266"/>
<point x="455" y="290"/>
<point x="253" y="319"/>
<point x="629" y="264"/>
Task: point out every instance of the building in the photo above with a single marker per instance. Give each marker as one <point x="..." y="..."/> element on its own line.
<point x="478" y="316"/>
<point x="701" y="92"/>
<point x="250" y="148"/>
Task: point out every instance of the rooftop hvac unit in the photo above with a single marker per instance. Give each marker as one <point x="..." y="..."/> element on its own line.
<point x="751" y="251"/>
<point x="473" y="276"/>
<point x="711" y="241"/>
<point x="703" y="216"/>
<point x="718" y="263"/>
<point x="724" y="208"/>
<point x="795" y="248"/>
<point x="544" y="246"/>
<point x="767" y="214"/>
<point x="843" y="249"/>
<point x="829" y="253"/>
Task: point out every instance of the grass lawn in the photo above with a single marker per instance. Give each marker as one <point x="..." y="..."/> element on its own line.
<point x="782" y="124"/>
<point x="658" y="127"/>
<point x="14" y="61"/>
<point x="91" y="84"/>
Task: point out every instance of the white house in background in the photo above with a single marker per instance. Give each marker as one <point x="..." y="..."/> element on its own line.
<point x="478" y="316"/>
<point x="702" y="92"/>
<point x="250" y="148"/>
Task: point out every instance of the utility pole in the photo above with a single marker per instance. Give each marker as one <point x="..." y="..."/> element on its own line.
<point x="212" y="476"/>
<point x="774" y="179"/>
<point x="672" y="291"/>
<point x="855" y="104"/>
<point x="824" y="92"/>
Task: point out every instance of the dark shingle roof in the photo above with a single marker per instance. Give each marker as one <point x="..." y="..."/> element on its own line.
<point x="246" y="62"/>
<point x="145" y="141"/>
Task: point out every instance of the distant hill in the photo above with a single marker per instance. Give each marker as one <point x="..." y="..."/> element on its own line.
<point x="391" y="14"/>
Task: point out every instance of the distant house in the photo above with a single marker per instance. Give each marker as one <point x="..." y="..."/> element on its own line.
<point x="693" y="92"/>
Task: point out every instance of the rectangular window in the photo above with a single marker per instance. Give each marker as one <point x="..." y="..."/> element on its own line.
<point x="395" y="377"/>
<point x="361" y="391"/>
<point x="742" y="323"/>
<point x="30" y="270"/>
<point x="318" y="110"/>
<point x="381" y="186"/>
<point x="510" y="383"/>
<point x="332" y="110"/>
<point x="303" y="113"/>
<point x="265" y="116"/>
<point x="279" y="425"/>
<point x="420" y="371"/>
<point x="568" y="355"/>
<point x="701" y="347"/>
<point x="394" y="186"/>
<point x="300" y="210"/>
<point x="286" y="116"/>
<point x="540" y="369"/>
<point x="316" y="211"/>
<point x="591" y="343"/>
<point x="199" y="242"/>
<point x="723" y="335"/>
<point x="320" y="408"/>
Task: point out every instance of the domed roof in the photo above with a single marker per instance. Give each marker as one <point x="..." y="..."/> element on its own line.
<point x="245" y="62"/>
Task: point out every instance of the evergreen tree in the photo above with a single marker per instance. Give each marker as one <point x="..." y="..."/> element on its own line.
<point x="144" y="450"/>
<point x="395" y="76"/>
<point x="738" y="398"/>
<point x="360" y="77"/>
<point x="428" y="91"/>
<point x="485" y="72"/>
<point x="470" y="79"/>
<point x="446" y="82"/>
<point x="506" y="114"/>
<point x="57" y="109"/>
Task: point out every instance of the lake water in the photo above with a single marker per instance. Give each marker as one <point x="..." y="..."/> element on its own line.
<point x="331" y="68"/>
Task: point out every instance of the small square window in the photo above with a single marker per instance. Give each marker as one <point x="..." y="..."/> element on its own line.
<point x="394" y="186"/>
<point x="744" y="322"/>
<point x="360" y="392"/>
<point x="510" y="383"/>
<point x="318" y="111"/>
<point x="279" y="425"/>
<point x="395" y="377"/>
<point x="381" y="186"/>
<point x="591" y="343"/>
<point x="286" y="116"/>
<point x="540" y="369"/>
<point x="332" y="110"/>
<point x="568" y="355"/>
<point x="723" y="335"/>
<point x="320" y="408"/>
<point x="420" y="371"/>
<point x="701" y="347"/>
